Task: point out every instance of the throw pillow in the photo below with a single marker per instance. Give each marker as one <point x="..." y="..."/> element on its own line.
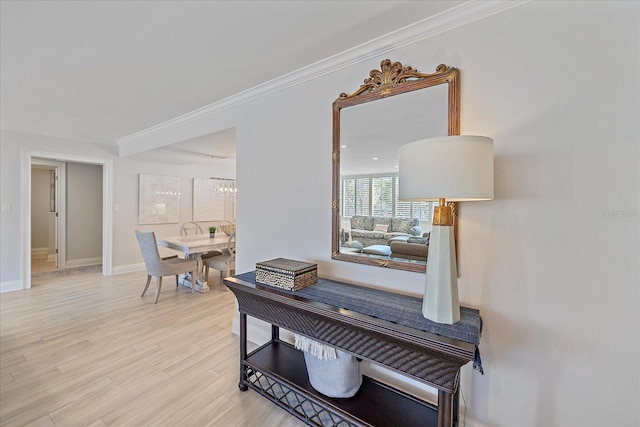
<point x="381" y="227"/>
<point x="404" y="226"/>
<point x="358" y="223"/>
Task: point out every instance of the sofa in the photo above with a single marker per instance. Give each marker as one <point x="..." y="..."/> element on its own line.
<point x="376" y="230"/>
<point x="415" y="248"/>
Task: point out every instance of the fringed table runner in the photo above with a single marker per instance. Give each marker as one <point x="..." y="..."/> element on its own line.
<point x="315" y="348"/>
<point x="392" y="307"/>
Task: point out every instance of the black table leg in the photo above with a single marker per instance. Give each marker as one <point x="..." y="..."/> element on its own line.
<point x="445" y="409"/>
<point x="456" y="407"/>
<point x="243" y="352"/>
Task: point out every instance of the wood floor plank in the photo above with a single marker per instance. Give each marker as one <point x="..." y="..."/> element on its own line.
<point x="82" y="349"/>
<point x="53" y="393"/>
<point x="41" y="422"/>
<point x="183" y="390"/>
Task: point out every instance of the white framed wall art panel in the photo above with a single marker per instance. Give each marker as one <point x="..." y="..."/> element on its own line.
<point x="158" y="199"/>
<point x="209" y="207"/>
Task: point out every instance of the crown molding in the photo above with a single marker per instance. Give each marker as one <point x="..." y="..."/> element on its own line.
<point x="447" y="20"/>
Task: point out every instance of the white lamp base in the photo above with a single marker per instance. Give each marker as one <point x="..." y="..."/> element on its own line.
<point x="440" y="303"/>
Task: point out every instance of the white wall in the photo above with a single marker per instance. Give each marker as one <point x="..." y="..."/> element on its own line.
<point x="12" y="145"/>
<point x="552" y="262"/>
<point x="554" y="274"/>
<point x="126" y="253"/>
<point x="83" y="214"/>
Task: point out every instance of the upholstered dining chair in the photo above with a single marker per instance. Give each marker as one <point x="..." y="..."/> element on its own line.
<point x="159" y="267"/>
<point x="226" y="262"/>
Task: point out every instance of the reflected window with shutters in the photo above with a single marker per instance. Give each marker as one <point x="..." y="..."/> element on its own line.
<point x="378" y="194"/>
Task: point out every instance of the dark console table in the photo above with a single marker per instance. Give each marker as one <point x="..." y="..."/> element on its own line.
<point x="277" y="371"/>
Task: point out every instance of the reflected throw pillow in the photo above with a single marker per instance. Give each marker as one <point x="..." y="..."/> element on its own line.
<point x="381" y="227"/>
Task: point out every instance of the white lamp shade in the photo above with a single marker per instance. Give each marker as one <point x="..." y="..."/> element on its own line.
<point x="456" y="168"/>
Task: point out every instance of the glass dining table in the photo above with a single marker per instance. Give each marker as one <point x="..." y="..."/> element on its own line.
<point x="194" y="246"/>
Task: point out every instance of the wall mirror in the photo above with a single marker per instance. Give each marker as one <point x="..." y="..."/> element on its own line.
<point x="408" y="106"/>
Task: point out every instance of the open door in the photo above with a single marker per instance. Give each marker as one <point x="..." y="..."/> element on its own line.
<point x="47" y="214"/>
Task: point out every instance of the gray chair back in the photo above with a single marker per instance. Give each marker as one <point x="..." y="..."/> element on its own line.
<point x="189" y="228"/>
<point x="231" y="246"/>
<point x="150" y="254"/>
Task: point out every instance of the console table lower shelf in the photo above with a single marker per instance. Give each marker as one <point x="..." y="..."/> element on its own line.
<point x="278" y="372"/>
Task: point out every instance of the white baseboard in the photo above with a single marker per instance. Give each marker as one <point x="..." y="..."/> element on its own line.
<point x="258" y="332"/>
<point x="39" y="251"/>
<point x="83" y="262"/>
<point x="466" y="421"/>
<point x="131" y="268"/>
<point x="15" y="285"/>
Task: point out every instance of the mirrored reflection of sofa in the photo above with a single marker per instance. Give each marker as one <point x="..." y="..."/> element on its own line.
<point x="375" y="230"/>
<point x="415" y="248"/>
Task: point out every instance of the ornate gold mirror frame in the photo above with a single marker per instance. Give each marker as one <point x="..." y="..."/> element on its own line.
<point x="392" y="79"/>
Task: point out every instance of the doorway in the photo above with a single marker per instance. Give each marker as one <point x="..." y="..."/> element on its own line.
<point x="105" y="229"/>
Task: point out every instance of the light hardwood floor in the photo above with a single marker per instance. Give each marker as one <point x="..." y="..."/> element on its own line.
<point x="81" y="349"/>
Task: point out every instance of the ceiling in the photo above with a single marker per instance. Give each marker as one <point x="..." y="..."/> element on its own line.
<point x="99" y="71"/>
<point x="371" y="133"/>
<point x="213" y="148"/>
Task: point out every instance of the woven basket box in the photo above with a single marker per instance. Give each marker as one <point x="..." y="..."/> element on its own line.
<point x="286" y="273"/>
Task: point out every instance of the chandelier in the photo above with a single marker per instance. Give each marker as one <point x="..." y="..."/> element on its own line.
<point x="224" y="188"/>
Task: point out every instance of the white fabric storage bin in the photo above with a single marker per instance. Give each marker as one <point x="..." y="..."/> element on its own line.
<point x="340" y="377"/>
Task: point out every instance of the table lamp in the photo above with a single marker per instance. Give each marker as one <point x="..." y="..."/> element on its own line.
<point x="455" y="169"/>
